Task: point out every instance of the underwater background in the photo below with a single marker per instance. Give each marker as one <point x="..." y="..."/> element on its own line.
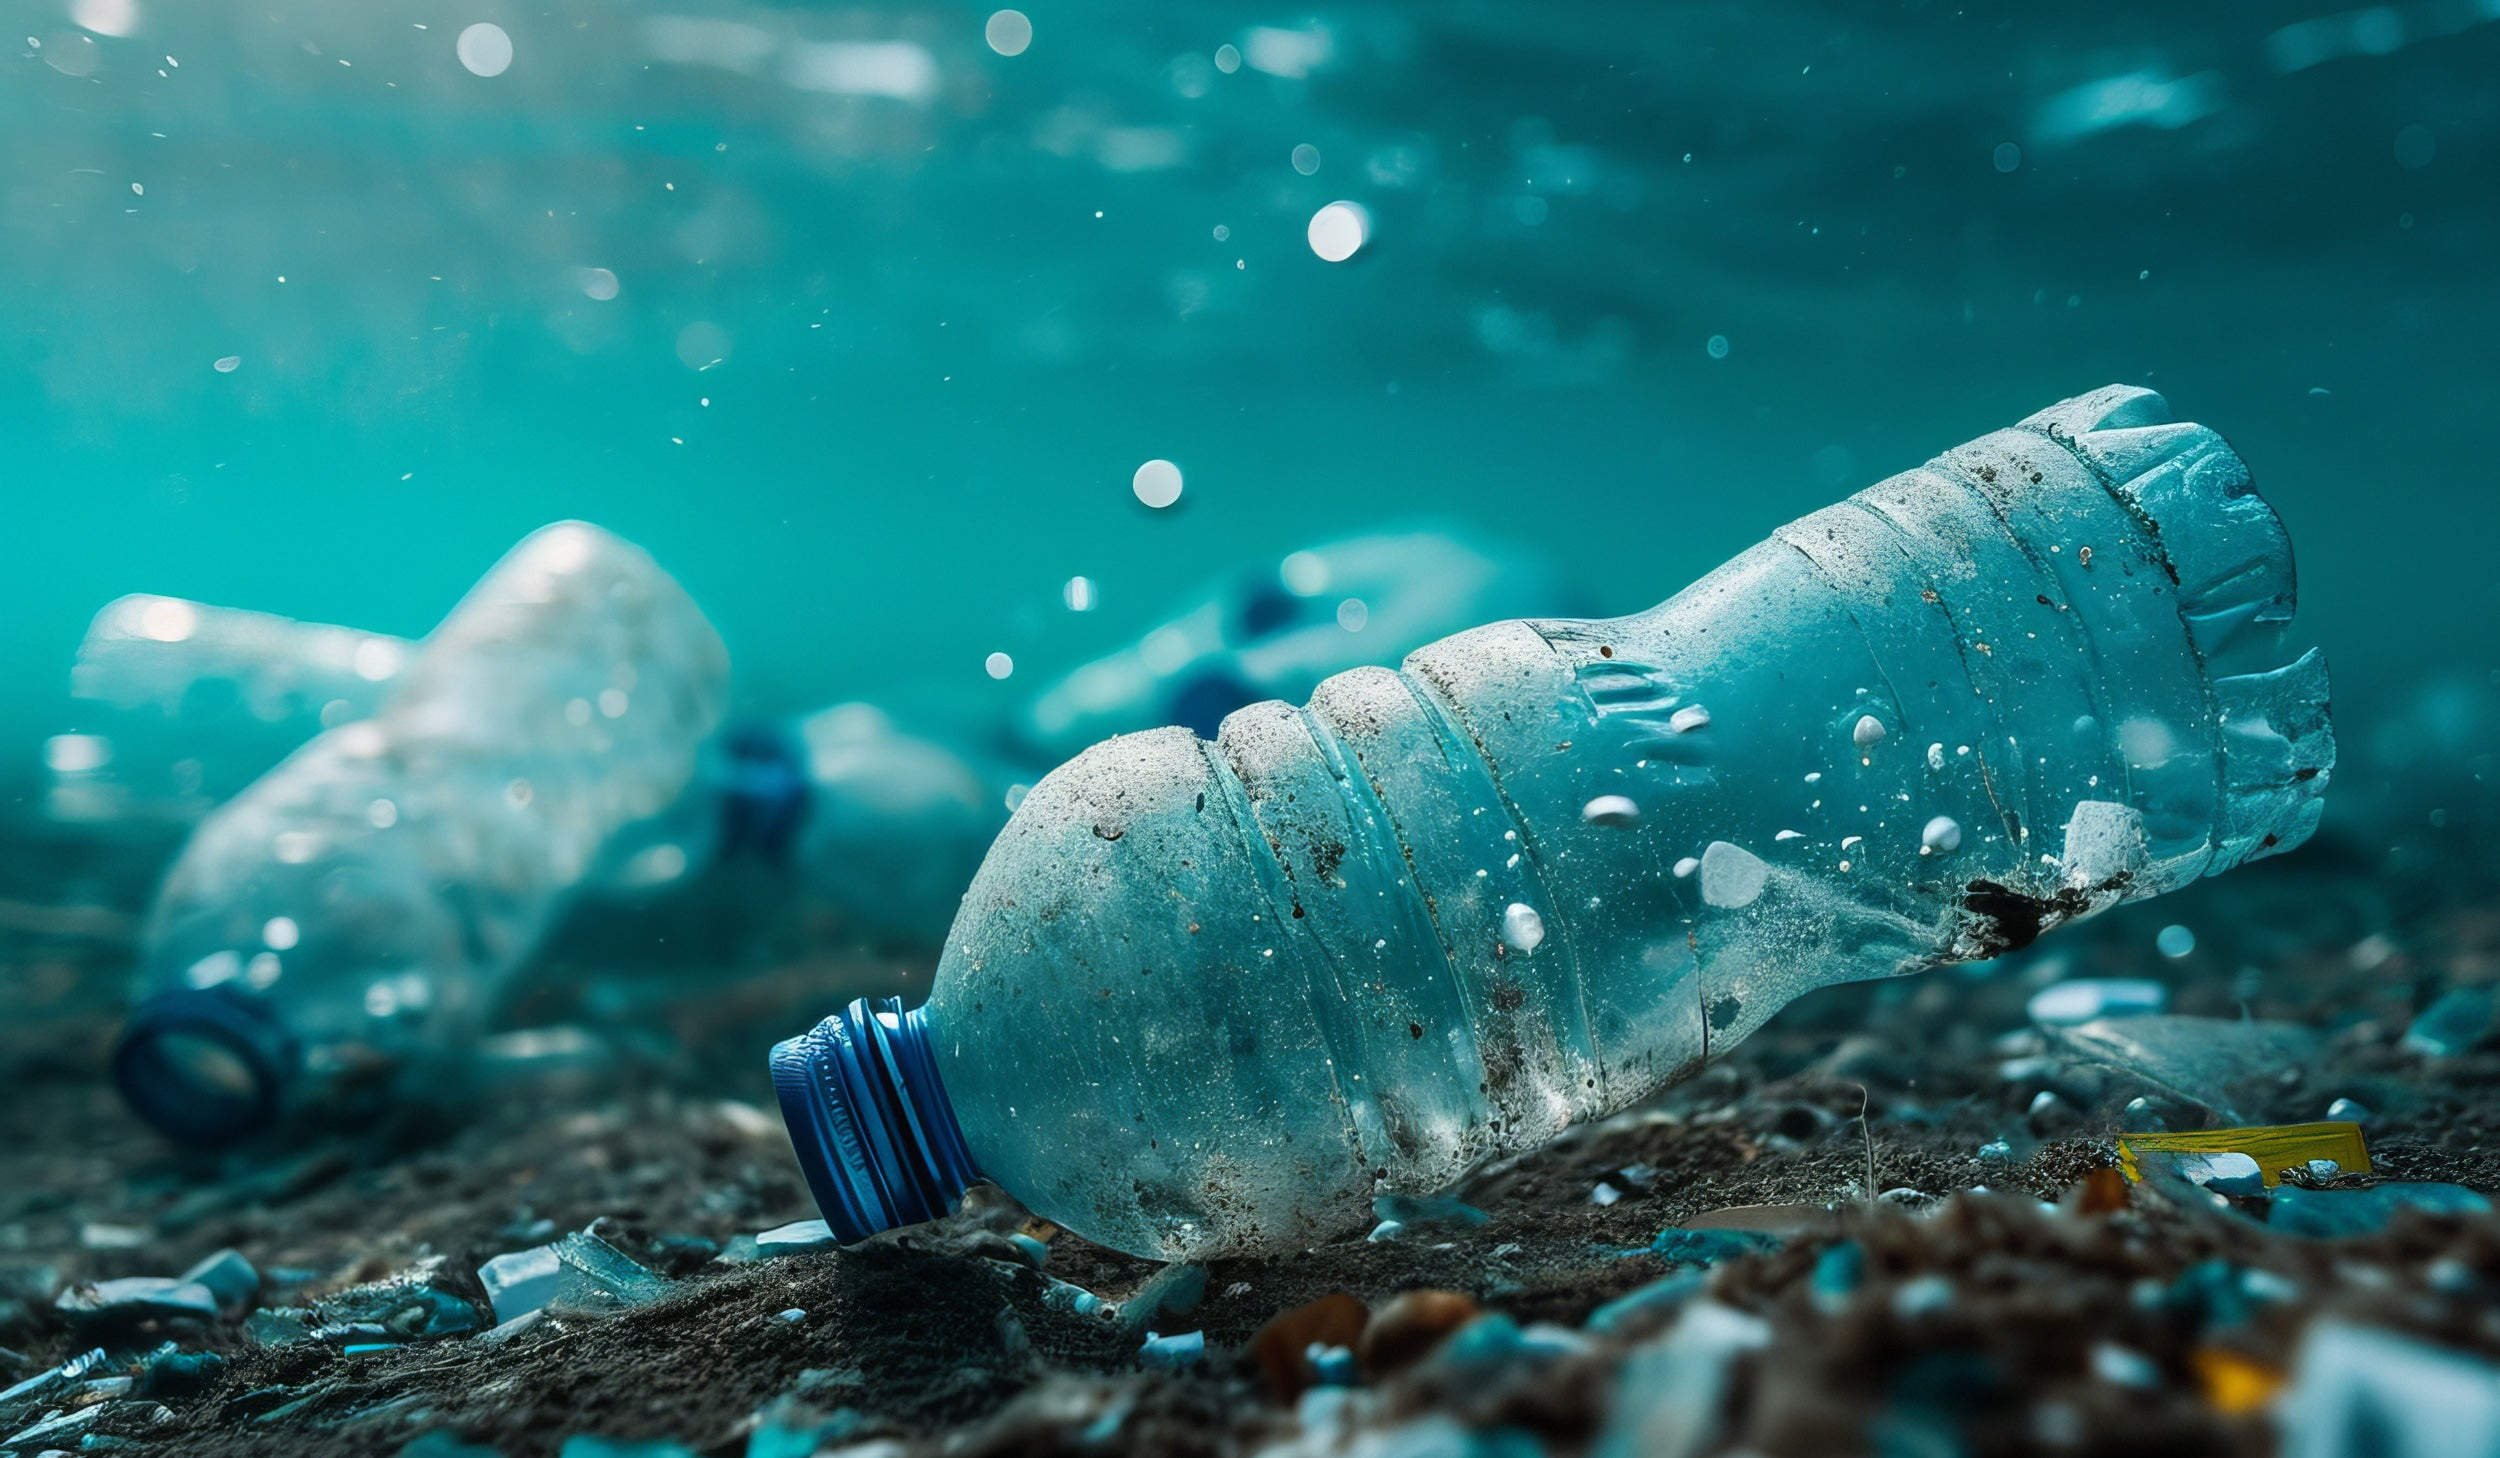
<point x="861" y="325"/>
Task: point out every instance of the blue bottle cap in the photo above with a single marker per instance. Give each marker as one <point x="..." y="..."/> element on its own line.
<point x="870" y="1121"/>
<point x="205" y="1065"/>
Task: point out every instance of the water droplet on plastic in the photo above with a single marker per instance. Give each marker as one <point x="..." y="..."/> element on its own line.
<point x="1613" y="810"/>
<point x="1687" y="719"/>
<point x="2174" y="941"/>
<point x="1008" y="32"/>
<point x="1522" y="928"/>
<point x="1339" y="231"/>
<point x="1943" y="835"/>
<point x="998" y="665"/>
<point x="1868" y="732"/>
<point x="1157" y="483"/>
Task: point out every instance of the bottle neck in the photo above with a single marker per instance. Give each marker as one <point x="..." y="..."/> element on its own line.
<point x="210" y="1066"/>
<point x="869" y="1119"/>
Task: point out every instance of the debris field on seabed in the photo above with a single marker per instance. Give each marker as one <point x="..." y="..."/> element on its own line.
<point x="2096" y="1197"/>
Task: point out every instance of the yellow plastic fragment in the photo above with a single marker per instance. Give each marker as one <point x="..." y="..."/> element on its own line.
<point x="2275" y="1147"/>
<point x="2235" y="1384"/>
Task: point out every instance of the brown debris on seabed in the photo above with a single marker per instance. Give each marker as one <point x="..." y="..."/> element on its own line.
<point x="1988" y="1294"/>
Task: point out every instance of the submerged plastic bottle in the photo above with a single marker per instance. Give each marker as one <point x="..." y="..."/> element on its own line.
<point x="1275" y="632"/>
<point x="181" y="704"/>
<point x="1214" y="997"/>
<point x="882" y="825"/>
<point x="339" y="927"/>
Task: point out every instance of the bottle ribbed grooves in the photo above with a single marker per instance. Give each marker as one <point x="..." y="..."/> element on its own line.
<point x="870" y="1120"/>
<point x="206" y="1066"/>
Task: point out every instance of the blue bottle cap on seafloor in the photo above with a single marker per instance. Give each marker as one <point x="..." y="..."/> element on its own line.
<point x="205" y="1065"/>
<point x="870" y="1121"/>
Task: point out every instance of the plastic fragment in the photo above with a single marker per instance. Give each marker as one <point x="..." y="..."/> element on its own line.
<point x="2226" y="1173"/>
<point x="1173" y="1291"/>
<point x="2221" y="1065"/>
<point x="1837" y="1274"/>
<point x="1922" y="1296"/>
<point x="2124" y="1366"/>
<point x="2235" y="1384"/>
<point x="796" y="1236"/>
<point x="54" y="1378"/>
<point x="2358" y="1392"/>
<point x="1064" y="1296"/>
<point x="2273" y="1147"/>
<point x="2348" y="1110"/>
<point x="1666" y="1294"/>
<point x="1282" y="1347"/>
<point x="521" y="1281"/>
<point x="57" y="1425"/>
<point x="1670" y="1397"/>
<point x="1331" y="1366"/>
<point x="789" y="1428"/>
<point x="599" y="1277"/>
<point x="2332" y="1214"/>
<point x="2455" y="1024"/>
<point x="1386" y="1230"/>
<point x="171" y="1372"/>
<point x="587" y="1445"/>
<point x="2083" y="999"/>
<point x="793" y="1316"/>
<point x="1172" y="1353"/>
<point x="1678" y="1247"/>
<point x="233" y="1280"/>
<point x="1035" y="1252"/>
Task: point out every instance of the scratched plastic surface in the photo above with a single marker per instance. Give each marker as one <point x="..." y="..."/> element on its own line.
<point x="1209" y="997"/>
<point x="349" y="914"/>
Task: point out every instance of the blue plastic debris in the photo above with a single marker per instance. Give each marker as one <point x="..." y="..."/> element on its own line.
<point x="2348" y="1110"/>
<point x="2323" y="1169"/>
<point x="587" y="1445"/>
<point x="1838" y="1271"/>
<point x="521" y="1281"/>
<point x="2227" y="1172"/>
<point x="2084" y="999"/>
<point x="1922" y="1296"/>
<point x="1036" y="1253"/>
<point x="1064" y="1296"/>
<point x="1173" y="1291"/>
<point x="1330" y="1366"/>
<point x="1680" y="1247"/>
<point x="444" y="1443"/>
<point x="1386" y="1230"/>
<point x="2332" y="1214"/>
<point x="791" y="1317"/>
<point x="788" y="1428"/>
<point x="2124" y="1366"/>
<point x="1172" y="1353"/>
<point x="1665" y="1294"/>
<point x="2357" y="1392"/>
<point x="1505" y="999"/>
<point x="52" y="1379"/>
<point x="228" y="1276"/>
<point x="2457" y="1023"/>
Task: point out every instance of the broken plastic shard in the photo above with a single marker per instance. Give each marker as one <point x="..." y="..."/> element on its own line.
<point x="795" y="1236"/>
<point x="233" y="1280"/>
<point x="1706" y="1247"/>
<point x="2358" y="1392"/>
<point x="2455" y="1024"/>
<point x="2334" y="1214"/>
<point x="1172" y="1353"/>
<point x="2227" y="1173"/>
<point x="599" y="1277"/>
<point x="1361" y="851"/>
<point x="1642" y="1303"/>
<point x="520" y="1282"/>
<point x="2230" y="1068"/>
<point x="2085" y="999"/>
<point x="54" y="1378"/>
<point x="102" y="1305"/>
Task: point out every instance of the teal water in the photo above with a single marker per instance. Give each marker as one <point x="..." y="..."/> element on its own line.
<point x="896" y="315"/>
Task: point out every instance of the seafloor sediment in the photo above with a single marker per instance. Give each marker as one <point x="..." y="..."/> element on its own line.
<point x="1947" y="1273"/>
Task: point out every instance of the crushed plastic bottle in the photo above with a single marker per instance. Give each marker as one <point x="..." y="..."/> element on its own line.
<point x="1209" y="998"/>
<point x="1275" y="632"/>
<point x="181" y="704"/>
<point x="338" y="929"/>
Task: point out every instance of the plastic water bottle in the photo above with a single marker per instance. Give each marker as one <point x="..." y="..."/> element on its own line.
<point x="181" y="704"/>
<point x="1276" y="631"/>
<point x="337" y="931"/>
<point x="1215" y="997"/>
<point x="882" y="826"/>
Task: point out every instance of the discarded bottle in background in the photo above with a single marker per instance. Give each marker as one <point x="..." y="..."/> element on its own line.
<point x="1206" y="998"/>
<point x="881" y="825"/>
<point x="181" y="704"/>
<point x="1276" y="632"/>
<point x="339" y="928"/>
